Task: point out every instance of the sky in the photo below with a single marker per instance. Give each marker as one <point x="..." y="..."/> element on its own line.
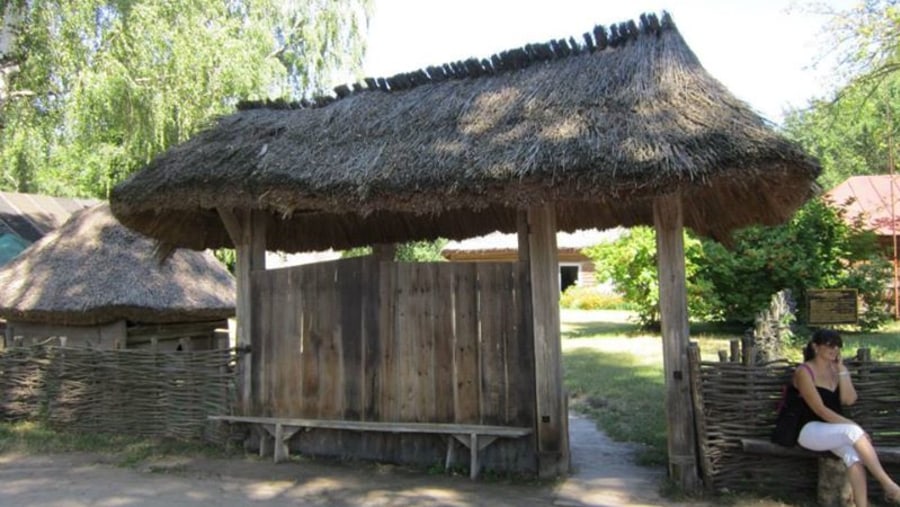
<point x="764" y="51"/>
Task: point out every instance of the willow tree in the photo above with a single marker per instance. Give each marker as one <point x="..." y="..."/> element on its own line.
<point x="92" y="89"/>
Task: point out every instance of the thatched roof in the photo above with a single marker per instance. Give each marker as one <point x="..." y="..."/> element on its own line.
<point x="599" y="127"/>
<point x="93" y="270"/>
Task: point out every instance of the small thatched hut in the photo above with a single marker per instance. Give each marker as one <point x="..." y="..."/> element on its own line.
<point x="93" y="282"/>
<point x="620" y="127"/>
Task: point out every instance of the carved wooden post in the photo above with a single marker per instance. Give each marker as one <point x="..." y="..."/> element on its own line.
<point x="552" y="421"/>
<point x="682" y="444"/>
<point x="248" y="233"/>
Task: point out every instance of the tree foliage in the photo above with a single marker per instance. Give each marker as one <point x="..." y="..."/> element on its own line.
<point x="412" y="251"/>
<point x="816" y="249"/>
<point x="99" y="87"/>
<point x="852" y="129"/>
<point x="630" y="264"/>
<point x="851" y="136"/>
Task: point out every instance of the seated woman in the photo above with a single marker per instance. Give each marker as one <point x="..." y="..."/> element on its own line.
<point x="825" y="386"/>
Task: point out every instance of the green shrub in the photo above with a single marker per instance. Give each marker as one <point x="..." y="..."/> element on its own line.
<point x="591" y="298"/>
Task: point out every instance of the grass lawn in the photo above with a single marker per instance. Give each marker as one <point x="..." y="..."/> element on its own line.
<point x="614" y="372"/>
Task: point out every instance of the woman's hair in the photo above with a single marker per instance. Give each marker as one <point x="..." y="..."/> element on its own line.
<point x="822" y="337"/>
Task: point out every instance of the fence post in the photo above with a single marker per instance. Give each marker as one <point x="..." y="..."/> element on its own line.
<point x="696" y="380"/>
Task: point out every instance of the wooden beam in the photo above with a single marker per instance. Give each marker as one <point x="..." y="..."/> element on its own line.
<point x="231" y="223"/>
<point x="551" y="427"/>
<point x="682" y="444"/>
<point x="247" y="231"/>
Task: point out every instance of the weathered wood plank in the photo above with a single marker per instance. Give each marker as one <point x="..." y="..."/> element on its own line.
<point x="350" y="294"/>
<point x="310" y="341"/>
<point x="331" y="374"/>
<point x="422" y="338"/>
<point x="492" y="351"/>
<point x="466" y="373"/>
<point x="371" y="340"/>
<point x="524" y="359"/>
<point x="404" y="363"/>
<point x="518" y="360"/>
<point x="443" y="308"/>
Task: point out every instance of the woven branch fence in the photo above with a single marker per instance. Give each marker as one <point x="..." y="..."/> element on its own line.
<point x="736" y="399"/>
<point x="131" y="392"/>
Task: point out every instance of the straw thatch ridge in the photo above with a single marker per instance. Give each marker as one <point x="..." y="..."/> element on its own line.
<point x="598" y="133"/>
<point x="505" y="61"/>
<point x="92" y="270"/>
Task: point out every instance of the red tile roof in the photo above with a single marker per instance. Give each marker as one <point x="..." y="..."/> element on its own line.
<point x="869" y="198"/>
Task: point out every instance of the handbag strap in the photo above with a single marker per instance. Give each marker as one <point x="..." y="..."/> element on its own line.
<point x="810" y="370"/>
<point x="784" y="389"/>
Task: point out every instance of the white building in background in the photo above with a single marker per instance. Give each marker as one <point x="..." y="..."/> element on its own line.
<point x="574" y="267"/>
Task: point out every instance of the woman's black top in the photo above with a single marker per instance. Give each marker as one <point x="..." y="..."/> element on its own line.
<point x="831" y="399"/>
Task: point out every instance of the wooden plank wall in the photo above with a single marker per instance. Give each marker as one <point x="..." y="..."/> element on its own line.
<point x="362" y="339"/>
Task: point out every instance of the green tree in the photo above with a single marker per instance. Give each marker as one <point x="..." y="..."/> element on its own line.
<point x="413" y="251"/>
<point x="815" y="249"/>
<point x="850" y="136"/>
<point x="95" y="88"/>
<point x="850" y="130"/>
<point x="630" y="264"/>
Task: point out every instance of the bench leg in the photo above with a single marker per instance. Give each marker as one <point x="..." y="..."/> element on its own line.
<point x="450" y="448"/>
<point x="276" y="438"/>
<point x="266" y="442"/>
<point x="475" y="445"/>
<point x="473" y="456"/>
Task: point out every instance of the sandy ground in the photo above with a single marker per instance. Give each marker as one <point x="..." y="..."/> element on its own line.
<point x="604" y="475"/>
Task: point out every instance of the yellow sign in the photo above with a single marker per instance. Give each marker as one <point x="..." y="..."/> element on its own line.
<point x="832" y="306"/>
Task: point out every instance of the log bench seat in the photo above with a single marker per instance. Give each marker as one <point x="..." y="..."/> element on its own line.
<point x="833" y="488"/>
<point x="277" y="431"/>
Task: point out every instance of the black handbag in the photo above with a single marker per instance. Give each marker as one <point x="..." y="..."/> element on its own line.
<point x="788" y="423"/>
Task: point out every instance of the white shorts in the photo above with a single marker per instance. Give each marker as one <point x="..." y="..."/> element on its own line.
<point x="835" y="437"/>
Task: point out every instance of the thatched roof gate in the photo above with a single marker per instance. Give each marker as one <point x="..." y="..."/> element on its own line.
<point x="621" y="127"/>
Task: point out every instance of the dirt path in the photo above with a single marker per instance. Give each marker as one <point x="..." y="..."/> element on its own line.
<point x="604" y="475"/>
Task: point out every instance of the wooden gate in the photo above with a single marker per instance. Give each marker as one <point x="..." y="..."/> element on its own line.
<point x="363" y="339"/>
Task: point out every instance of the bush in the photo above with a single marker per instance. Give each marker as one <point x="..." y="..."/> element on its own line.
<point x="591" y="298"/>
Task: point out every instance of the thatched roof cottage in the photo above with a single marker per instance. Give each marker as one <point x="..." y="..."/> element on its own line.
<point x="98" y="284"/>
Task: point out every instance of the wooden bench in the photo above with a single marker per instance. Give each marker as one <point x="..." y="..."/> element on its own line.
<point x="277" y="431"/>
<point x="833" y="488"/>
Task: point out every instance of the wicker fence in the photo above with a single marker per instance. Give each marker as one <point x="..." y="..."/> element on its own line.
<point x="737" y="399"/>
<point x="131" y="392"/>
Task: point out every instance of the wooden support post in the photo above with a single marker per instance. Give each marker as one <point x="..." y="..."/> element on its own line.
<point x="385" y="251"/>
<point x="550" y="428"/>
<point x="248" y="233"/>
<point x="697" y="398"/>
<point x="682" y="445"/>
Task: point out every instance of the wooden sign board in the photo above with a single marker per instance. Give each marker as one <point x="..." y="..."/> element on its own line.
<point x="832" y="306"/>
